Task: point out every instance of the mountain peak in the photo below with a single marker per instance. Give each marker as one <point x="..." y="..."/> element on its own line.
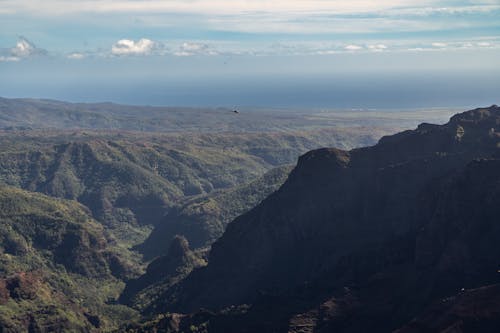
<point x="321" y="160"/>
<point x="479" y="115"/>
<point x="179" y="247"/>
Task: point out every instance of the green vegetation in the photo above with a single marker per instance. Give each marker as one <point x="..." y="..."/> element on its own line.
<point x="112" y="191"/>
<point x="130" y="183"/>
<point x="82" y="186"/>
<point x="56" y="269"/>
<point x="203" y="219"/>
<point x="28" y="114"/>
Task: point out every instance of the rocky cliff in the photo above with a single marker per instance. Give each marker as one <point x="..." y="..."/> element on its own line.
<point x="378" y="233"/>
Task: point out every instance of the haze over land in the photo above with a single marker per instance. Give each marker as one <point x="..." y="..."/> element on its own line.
<point x="49" y="114"/>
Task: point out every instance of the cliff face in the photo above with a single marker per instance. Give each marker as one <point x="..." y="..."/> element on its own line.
<point x="417" y="210"/>
<point x="458" y="240"/>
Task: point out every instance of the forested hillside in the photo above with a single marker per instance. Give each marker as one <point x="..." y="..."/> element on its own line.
<point x="57" y="270"/>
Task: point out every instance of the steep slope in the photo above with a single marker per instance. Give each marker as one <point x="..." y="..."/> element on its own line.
<point x="55" y="266"/>
<point x="161" y="274"/>
<point x="203" y="219"/>
<point x="130" y="182"/>
<point x="34" y="221"/>
<point x="363" y="220"/>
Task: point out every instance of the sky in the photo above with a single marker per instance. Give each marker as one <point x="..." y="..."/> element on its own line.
<point x="316" y="53"/>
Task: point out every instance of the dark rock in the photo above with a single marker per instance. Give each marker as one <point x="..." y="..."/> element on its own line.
<point x="401" y="224"/>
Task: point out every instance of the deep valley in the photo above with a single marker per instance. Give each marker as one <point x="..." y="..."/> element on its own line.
<point x="181" y="221"/>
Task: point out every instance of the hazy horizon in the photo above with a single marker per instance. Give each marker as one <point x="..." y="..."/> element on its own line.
<point x="336" y="54"/>
<point x="336" y="89"/>
<point x="391" y="93"/>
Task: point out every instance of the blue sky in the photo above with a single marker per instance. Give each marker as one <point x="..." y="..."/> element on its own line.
<point x="191" y="43"/>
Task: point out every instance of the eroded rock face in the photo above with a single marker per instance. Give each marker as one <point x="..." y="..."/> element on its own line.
<point x="395" y="223"/>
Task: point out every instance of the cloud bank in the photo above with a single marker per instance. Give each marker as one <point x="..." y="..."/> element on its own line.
<point x="113" y="28"/>
<point x="59" y="7"/>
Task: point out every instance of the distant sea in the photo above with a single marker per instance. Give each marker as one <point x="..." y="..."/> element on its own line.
<point x="294" y="91"/>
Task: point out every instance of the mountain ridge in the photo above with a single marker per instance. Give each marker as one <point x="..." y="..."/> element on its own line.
<point x="359" y="210"/>
<point x="32" y="114"/>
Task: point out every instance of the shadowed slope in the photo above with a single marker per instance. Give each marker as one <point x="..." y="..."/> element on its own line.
<point x="362" y="219"/>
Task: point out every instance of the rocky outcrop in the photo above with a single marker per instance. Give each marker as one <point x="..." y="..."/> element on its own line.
<point x="161" y="274"/>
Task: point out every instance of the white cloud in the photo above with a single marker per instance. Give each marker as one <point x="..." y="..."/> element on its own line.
<point x="314" y="23"/>
<point x="439" y="45"/>
<point x="452" y="45"/>
<point x="377" y="47"/>
<point x="6" y="58"/>
<point x="417" y="49"/>
<point x="23" y="49"/>
<point x="353" y="47"/>
<point x="60" y="7"/>
<point x="76" y="56"/>
<point x="288" y="17"/>
<point x="448" y="10"/>
<point x="483" y="44"/>
<point x="325" y="52"/>
<point x="143" y="46"/>
<point x="190" y="49"/>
